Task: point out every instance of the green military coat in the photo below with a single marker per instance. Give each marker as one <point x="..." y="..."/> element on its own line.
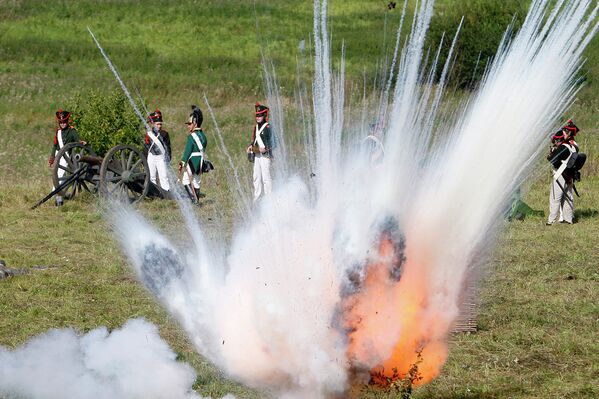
<point x="68" y="135"/>
<point x="193" y="155"/>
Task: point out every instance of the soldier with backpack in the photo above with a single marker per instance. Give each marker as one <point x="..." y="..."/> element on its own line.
<point x="192" y="160"/>
<point x="566" y="161"/>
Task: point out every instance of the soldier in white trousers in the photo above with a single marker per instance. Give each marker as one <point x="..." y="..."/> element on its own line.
<point x="261" y="146"/>
<point x="158" y="147"/>
<point x="561" y="197"/>
<point x="192" y="160"/>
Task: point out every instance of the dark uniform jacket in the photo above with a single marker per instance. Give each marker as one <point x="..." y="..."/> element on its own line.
<point x="151" y="147"/>
<point x="562" y="152"/>
<point x="193" y="155"/>
<point x="68" y="135"/>
<point x="266" y="136"/>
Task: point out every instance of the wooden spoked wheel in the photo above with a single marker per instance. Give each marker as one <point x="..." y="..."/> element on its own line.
<point x="124" y="174"/>
<point x="66" y="163"/>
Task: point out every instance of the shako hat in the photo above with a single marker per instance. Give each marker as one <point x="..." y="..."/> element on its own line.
<point x="195" y="117"/>
<point x="63" y="116"/>
<point x="571" y="127"/>
<point x="155" y="116"/>
<point x="261" y="110"/>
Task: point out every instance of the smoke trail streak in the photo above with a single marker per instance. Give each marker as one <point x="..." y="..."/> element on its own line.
<point x="385" y="93"/>
<point x="243" y="200"/>
<point x="118" y="78"/>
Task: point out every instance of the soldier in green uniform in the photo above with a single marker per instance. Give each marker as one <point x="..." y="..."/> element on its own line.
<point x="64" y="135"/>
<point x="261" y="146"/>
<point x="193" y="155"/>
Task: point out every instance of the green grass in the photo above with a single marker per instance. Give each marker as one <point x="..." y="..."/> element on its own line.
<point x="538" y="312"/>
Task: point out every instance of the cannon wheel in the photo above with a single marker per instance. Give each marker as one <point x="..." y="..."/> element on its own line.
<point x="124" y="174"/>
<point x="67" y="161"/>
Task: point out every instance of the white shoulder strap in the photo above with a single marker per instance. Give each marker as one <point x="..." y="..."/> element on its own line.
<point x="156" y="142"/>
<point x="258" y="138"/>
<point x="564" y="164"/>
<point x="195" y="138"/>
<point x="59" y="137"/>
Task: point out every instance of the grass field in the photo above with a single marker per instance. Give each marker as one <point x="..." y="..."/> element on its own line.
<point x="539" y="312"/>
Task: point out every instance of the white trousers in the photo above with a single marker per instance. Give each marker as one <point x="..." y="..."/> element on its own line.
<point x="157" y="165"/>
<point x="262" y="181"/>
<point x="195" y="179"/>
<point x="60" y="173"/>
<point x="561" y="200"/>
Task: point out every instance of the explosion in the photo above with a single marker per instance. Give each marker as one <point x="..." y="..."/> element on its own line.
<point x="349" y="271"/>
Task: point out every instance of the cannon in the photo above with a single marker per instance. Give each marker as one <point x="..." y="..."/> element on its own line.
<point x="122" y="174"/>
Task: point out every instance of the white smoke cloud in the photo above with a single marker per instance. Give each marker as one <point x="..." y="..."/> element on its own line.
<point x="130" y="362"/>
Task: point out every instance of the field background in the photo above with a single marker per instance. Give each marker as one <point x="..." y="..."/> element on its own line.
<point x="539" y="312"/>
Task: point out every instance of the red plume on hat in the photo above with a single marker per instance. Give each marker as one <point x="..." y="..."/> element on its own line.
<point x="62" y="116"/>
<point x="155" y="116"/>
<point x="261" y="110"/>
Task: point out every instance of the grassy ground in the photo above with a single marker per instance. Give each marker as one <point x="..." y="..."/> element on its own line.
<point x="538" y="313"/>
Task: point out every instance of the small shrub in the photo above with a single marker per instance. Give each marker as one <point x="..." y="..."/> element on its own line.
<point x="105" y="120"/>
<point x="398" y="385"/>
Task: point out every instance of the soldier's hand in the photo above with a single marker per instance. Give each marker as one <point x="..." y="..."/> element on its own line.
<point x="50" y="161"/>
<point x="180" y="167"/>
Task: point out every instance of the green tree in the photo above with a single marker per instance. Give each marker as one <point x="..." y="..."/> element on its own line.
<point x="105" y="120"/>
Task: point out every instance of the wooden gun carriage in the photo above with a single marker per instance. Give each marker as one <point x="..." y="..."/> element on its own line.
<point x="122" y="173"/>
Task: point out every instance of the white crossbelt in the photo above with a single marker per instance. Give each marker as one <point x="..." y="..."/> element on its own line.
<point x="156" y="141"/>
<point x="59" y="137"/>
<point x="195" y="138"/>
<point x="564" y="164"/>
<point x="200" y="153"/>
<point x="258" y="138"/>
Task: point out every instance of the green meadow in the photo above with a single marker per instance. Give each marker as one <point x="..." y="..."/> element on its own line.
<point x="539" y="295"/>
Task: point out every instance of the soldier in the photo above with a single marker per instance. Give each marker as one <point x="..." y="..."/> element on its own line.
<point x="157" y="145"/>
<point x="193" y="156"/>
<point x="373" y="146"/>
<point x="64" y="135"/>
<point x="261" y="146"/>
<point x="566" y="161"/>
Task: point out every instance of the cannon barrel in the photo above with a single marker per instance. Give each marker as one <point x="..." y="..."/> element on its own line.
<point x="89" y="159"/>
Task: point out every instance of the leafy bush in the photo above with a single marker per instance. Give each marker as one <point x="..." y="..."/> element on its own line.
<point x="485" y="22"/>
<point x="105" y="120"/>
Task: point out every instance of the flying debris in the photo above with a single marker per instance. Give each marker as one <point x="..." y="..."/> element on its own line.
<point x="159" y="266"/>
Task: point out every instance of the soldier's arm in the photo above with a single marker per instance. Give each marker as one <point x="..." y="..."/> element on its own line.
<point x="167" y="142"/>
<point x="188" y="149"/>
<point x="75" y="136"/>
<point x="268" y="138"/>
<point x="53" y="151"/>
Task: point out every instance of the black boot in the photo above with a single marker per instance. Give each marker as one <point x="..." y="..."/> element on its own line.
<point x="191" y="193"/>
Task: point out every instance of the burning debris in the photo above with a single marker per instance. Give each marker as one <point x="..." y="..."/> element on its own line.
<point x="388" y="252"/>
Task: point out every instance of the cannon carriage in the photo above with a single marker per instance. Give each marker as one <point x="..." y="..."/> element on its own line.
<point x="122" y="173"/>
